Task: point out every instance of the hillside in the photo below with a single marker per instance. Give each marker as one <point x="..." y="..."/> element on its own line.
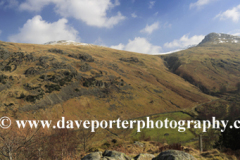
<point x="213" y="65"/>
<point x="82" y="81"/>
<point x="88" y="82"/>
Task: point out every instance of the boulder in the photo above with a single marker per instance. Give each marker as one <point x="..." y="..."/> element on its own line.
<point x="93" y="156"/>
<point x="144" y="157"/>
<point x="174" y="155"/>
<point x="116" y="155"/>
<point x="108" y="158"/>
<point x="107" y="155"/>
<point x="139" y="144"/>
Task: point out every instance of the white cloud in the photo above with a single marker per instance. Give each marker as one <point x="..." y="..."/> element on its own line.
<point x="151" y="4"/>
<point x="184" y="41"/>
<point x="93" y="13"/>
<point x="156" y="13"/>
<point x="149" y="29"/>
<point x="134" y="15"/>
<point x="119" y="47"/>
<point x="140" y="45"/>
<point x="233" y="14"/>
<point x="36" y="30"/>
<point x="200" y="3"/>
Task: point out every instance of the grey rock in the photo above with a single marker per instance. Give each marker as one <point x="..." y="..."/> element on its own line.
<point x="139" y="144"/>
<point x="107" y="155"/>
<point x="108" y="158"/>
<point x="174" y="155"/>
<point x="144" y="157"/>
<point x="216" y="38"/>
<point x="93" y="156"/>
<point x="116" y="155"/>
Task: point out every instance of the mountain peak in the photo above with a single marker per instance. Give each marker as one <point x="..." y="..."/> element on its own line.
<point x="216" y="38"/>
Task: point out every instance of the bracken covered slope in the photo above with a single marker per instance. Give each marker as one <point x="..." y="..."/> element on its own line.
<point x="88" y="82"/>
<point x="213" y="65"/>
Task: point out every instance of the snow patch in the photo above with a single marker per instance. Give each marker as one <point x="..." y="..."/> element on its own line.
<point x="65" y="42"/>
<point x="221" y="41"/>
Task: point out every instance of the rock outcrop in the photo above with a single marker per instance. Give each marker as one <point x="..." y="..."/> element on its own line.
<point x="114" y="155"/>
<point x="215" y="38"/>
<point x="93" y="156"/>
<point x="144" y="157"/>
<point x="107" y="155"/>
<point x="174" y="155"/>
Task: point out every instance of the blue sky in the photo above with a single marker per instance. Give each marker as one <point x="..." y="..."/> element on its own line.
<point x="145" y="26"/>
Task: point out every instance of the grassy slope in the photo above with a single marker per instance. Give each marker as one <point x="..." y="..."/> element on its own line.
<point x="154" y="88"/>
<point x="213" y="65"/>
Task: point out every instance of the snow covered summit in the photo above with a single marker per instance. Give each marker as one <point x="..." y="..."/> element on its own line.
<point x="216" y="38"/>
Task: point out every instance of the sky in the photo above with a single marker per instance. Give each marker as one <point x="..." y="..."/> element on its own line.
<point x="144" y="26"/>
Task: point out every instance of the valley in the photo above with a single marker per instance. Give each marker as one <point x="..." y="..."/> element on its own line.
<point x="89" y="82"/>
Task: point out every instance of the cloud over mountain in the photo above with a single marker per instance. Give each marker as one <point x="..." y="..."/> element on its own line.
<point x="140" y="45"/>
<point x="184" y="41"/>
<point x="36" y="30"/>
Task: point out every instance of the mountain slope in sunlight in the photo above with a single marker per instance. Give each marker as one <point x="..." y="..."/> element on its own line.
<point x="88" y="82"/>
<point x="213" y="65"/>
